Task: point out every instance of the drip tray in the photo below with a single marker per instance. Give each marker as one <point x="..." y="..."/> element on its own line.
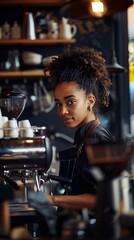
<point x="21" y="213"/>
<point x="20" y="207"/>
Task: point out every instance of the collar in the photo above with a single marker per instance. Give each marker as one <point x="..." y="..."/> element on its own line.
<point x="81" y="132"/>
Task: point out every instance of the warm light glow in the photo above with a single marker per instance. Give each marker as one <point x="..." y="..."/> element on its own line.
<point x="29" y="141"/>
<point x="98" y="8"/>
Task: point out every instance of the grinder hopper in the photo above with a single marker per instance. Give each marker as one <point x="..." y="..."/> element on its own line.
<point x="12" y="104"/>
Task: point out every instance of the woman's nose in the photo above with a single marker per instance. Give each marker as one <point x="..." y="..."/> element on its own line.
<point x="63" y="110"/>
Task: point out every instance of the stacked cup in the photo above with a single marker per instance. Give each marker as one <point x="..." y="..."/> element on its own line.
<point x="11" y="129"/>
<point x="25" y="128"/>
<point x="3" y="120"/>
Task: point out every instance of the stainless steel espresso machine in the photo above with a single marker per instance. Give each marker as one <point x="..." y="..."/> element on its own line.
<point x="23" y="160"/>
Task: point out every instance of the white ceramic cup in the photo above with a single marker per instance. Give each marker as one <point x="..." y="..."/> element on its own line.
<point x="29" y="133"/>
<point x="26" y="133"/>
<point x="12" y="123"/>
<point x="11" y="129"/>
<point x="3" y="121"/>
<point x="26" y="130"/>
<point x="24" y="124"/>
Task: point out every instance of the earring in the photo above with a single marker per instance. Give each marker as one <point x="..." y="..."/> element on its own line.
<point x="88" y="108"/>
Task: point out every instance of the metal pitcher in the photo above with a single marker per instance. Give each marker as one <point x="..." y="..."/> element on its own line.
<point x="28" y="28"/>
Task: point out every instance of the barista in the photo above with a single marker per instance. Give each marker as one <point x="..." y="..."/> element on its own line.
<point x="81" y="87"/>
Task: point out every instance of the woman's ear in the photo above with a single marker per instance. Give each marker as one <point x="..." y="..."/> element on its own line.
<point x="91" y="100"/>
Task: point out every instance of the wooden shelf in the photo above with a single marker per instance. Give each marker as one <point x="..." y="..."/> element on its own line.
<point x="36" y="41"/>
<point x="26" y="73"/>
<point x="33" y="2"/>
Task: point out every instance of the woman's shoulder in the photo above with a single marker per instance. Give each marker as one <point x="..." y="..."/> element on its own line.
<point x="101" y="134"/>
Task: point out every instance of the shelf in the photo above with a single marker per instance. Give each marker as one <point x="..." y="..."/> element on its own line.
<point x="33" y="2"/>
<point x="26" y="73"/>
<point x="36" y="41"/>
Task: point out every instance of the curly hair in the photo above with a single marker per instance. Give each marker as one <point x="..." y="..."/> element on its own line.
<point x="86" y="67"/>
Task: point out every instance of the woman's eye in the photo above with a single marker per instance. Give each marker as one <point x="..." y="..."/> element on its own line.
<point x="57" y="104"/>
<point x="70" y="102"/>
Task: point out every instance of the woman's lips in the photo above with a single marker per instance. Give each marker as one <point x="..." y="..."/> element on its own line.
<point x="67" y="120"/>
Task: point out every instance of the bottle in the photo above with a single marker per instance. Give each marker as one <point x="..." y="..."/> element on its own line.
<point x="15" y="65"/>
<point x="8" y="61"/>
<point x="6" y="31"/>
<point x="13" y="62"/>
<point x="15" y="31"/>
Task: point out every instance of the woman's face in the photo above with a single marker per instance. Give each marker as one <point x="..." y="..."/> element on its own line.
<point x="72" y="104"/>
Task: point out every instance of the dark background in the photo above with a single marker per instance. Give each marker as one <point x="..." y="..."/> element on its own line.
<point x="91" y="32"/>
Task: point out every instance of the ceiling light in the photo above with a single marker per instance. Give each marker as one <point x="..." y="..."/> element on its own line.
<point x="93" y="8"/>
<point x="97" y="7"/>
<point x="114" y="66"/>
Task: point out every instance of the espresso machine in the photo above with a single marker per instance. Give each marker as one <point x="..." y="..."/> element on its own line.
<point x="23" y="160"/>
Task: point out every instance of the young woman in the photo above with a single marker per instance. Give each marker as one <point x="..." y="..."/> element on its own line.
<point x="81" y="85"/>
